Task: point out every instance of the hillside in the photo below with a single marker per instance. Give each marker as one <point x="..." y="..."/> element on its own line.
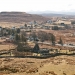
<point x="56" y="15"/>
<point x="19" y="17"/>
<point x="51" y="14"/>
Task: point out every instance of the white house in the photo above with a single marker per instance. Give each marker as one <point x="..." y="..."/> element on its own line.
<point x="12" y="38"/>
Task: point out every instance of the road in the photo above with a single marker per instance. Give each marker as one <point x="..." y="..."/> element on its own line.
<point x="65" y="45"/>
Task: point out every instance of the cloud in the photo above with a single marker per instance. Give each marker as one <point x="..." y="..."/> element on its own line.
<point x="69" y="4"/>
<point x="36" y="5"/>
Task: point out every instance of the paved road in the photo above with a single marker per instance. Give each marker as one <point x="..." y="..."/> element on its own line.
<point x="65" y="45"/>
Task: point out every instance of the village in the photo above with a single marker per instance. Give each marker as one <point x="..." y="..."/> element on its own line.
<point x="38" y="47"/>
<point x="53" y="37"/>
<point x="37" y="37"/>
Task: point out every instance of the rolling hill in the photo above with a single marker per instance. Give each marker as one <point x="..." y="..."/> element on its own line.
<point x="19" y="17"/>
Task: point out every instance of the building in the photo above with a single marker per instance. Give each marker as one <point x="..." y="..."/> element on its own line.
<point x="12" y="38"/>
<point x="44" y="52"/>
<point x="40" y="52"/>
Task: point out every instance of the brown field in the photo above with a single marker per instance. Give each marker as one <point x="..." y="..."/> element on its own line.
<point x="11" y="24"/>
<point x="7" y="47"/>
<point x="61" y="65"/>
<point x="66" y="35"/>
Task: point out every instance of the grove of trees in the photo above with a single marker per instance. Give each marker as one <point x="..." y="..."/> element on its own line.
<point x="44" y="36"/>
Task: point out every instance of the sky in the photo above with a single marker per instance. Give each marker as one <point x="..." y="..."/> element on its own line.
<point x="37" y="5"/>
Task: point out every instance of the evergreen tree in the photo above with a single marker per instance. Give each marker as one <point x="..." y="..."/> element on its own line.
<point x="13" y="32"/>
<point x="17" y="37"/>
<point x="36" y="48"/>
<point x="53" y="39"/>
<point x="20" y="47"/>
<point x="9" y="32"/>
<point x="23" y="39"/>
<point x="18" y="30"/>
<point x="25" y="25"/>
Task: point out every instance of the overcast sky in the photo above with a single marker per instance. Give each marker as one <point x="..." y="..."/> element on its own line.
<point x="37" y="5"/>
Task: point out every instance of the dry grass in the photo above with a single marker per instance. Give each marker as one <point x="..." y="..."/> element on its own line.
<point x="66" y="35"/>
<point x="10" y="24"/>
<point x="7" y="47"/>
<point x="30" y="66"/>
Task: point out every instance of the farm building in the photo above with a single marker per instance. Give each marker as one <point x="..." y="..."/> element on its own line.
<point x="40" y="52"/>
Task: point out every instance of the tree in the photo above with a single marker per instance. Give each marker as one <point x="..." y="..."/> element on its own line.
<point x="43" y="36"/>
<point x="73" y="22"/>
<point x="13" y="32"/>
<point x="20" y="47"/>
<point x="2" y="32"/>
<point x="34" y="36"/>
<point x="17" y="37"/>
<point x="9" y="31"/>
<point x="23" y="47"/>
<point x="18" y="30"/>
<point x="60" y="41"/>
<point x="25" y="25"/>
<point x="55" y="28"/>
<point x="35" y="22"/>
<point x="53" y="39"/>
<point x="36" y="48"/>
<point x="23" y="39"/>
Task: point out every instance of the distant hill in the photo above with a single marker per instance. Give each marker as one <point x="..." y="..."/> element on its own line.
<point x="19" y="17"/>
<point x="51" y="14"/>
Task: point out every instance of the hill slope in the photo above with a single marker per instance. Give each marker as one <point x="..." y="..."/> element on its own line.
<point x="20" y="17"/>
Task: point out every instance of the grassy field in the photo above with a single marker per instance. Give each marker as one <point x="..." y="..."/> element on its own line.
<point x="61" y="65"/>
